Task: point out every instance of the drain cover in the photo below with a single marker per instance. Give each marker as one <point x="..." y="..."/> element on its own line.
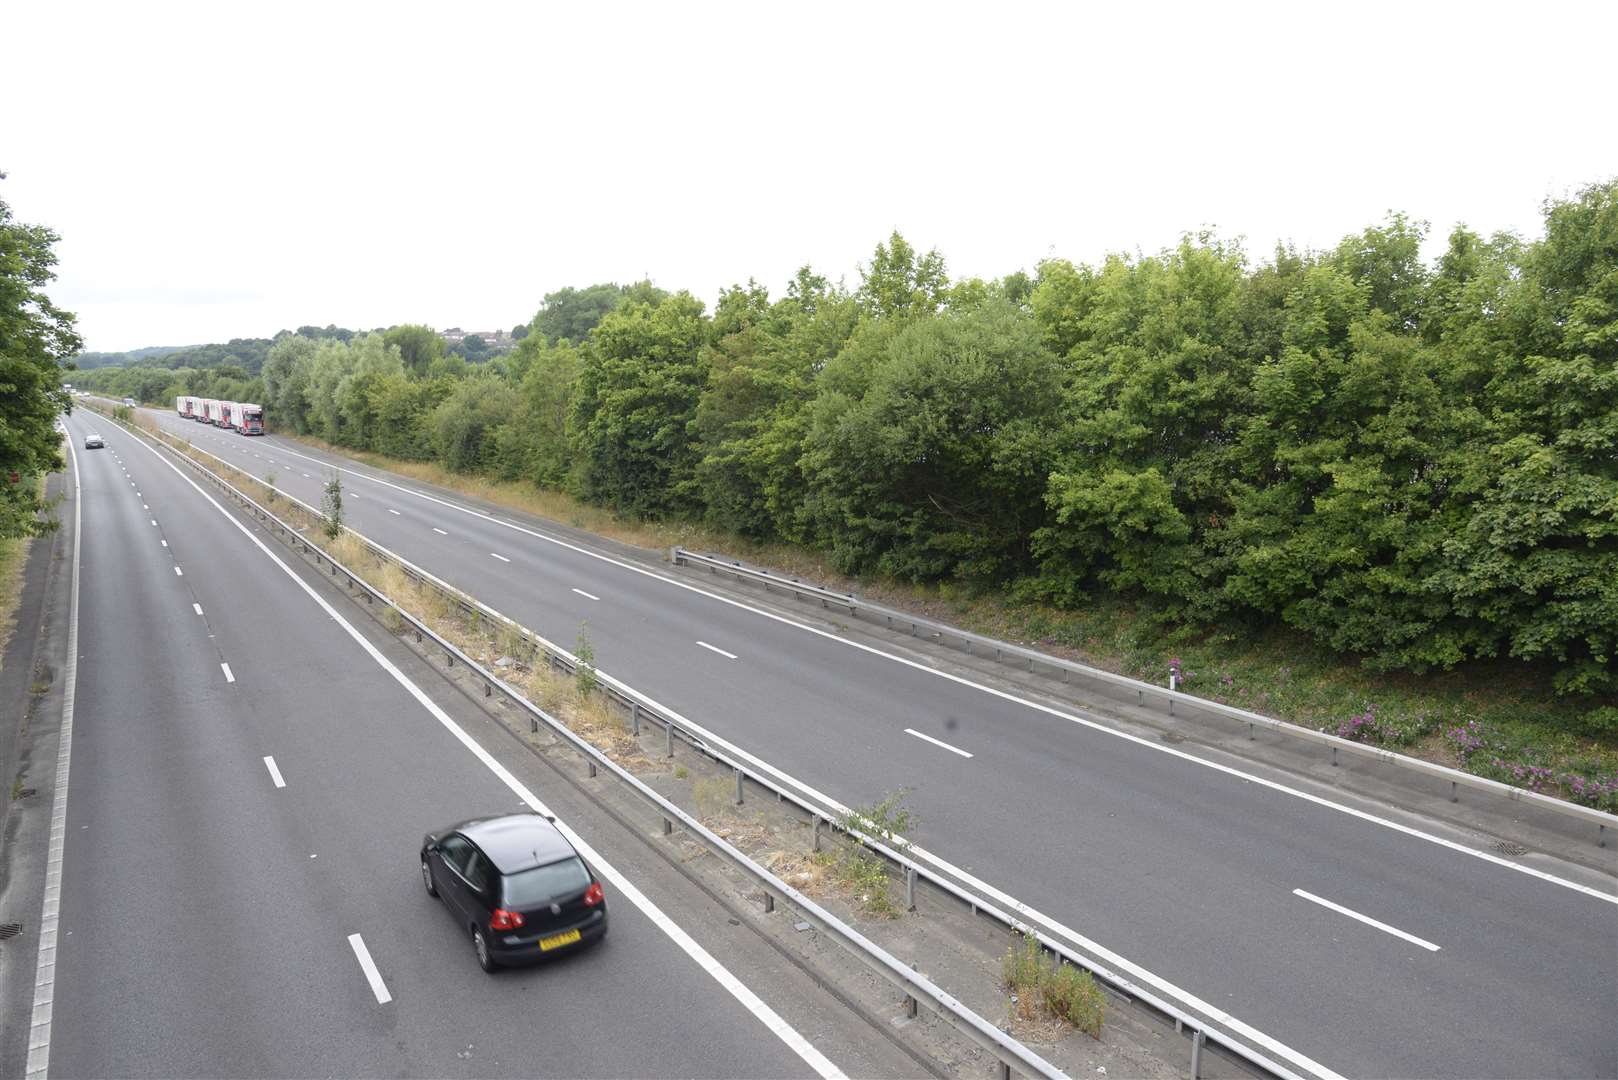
<point x="1506" y="847"/>
<point x="10" y="930"/>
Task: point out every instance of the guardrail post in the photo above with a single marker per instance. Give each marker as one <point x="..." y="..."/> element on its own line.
<point x="1334" y="757"/>
<point x="592" y="763"/>
<point x="769" y="901"/>
<point x="668" y="738"/>
<point x="634" y="717"/>
<point x="910" y="1006"/>
<point x="1602" y="834"/>
<point x="910" y="891"/>
<point x="1454" y="792"/>
<point x="738" y="787"/>
<point x="1196" y="1054"/>
<point x="488" y="691"/>
<point x="449" y="659"/>
<point x="668" y="827"/>
<point x="817" y="833"/>
<point x="1005" y="1070"/>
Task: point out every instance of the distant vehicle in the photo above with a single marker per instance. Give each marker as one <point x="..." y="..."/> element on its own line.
<point x="182" y="406"/>
<point x="129" y="401"/>
<point x="92" y="441"/>
<point x="213" y="413"/>
<point x="249" y="418"/>
<point x="516" y="886"/>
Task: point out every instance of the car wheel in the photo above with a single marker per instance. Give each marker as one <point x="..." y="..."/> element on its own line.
<point x="427" y="879"/>
<point x="480" y="947"/>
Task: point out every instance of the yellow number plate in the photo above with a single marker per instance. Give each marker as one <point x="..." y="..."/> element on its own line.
<point x="556" y="941"/>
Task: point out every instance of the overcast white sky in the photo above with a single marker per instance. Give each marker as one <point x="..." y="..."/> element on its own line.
<point x="222" y="170"/>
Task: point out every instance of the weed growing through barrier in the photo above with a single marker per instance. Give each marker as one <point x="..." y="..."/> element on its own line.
<point x="585" y="653"/>
<point x="331" y="504"/>
<point x="269" y="487"/>
<point x="888" y="820"/>
<point x="1042" y="987"/>
<point x="862" y="872"/>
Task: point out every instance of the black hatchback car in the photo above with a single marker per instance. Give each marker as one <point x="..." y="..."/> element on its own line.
<point x="516" y="886"/>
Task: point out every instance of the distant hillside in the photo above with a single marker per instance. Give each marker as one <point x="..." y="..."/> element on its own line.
<point x="245" y="353"/>
<point x="91" y="360"/>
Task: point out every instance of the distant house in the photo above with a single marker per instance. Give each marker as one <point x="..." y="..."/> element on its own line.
<point x="496" y="340"/>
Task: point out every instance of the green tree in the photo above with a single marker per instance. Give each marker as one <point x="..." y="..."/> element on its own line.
<point x="638" y="390"/>
<point x="926" y="453"/>
<point x="35" y="338"/>
<point x="898" y="283"/>
<point x="418" y="346"/>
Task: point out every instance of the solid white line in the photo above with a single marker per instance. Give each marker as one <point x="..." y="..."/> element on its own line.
<point x="937" y="742"/>
<point x="39" y="1023"/>
<point x="197" y="608"/>
<point x="587" y="596"/>
<point x="275" y="773"/>
<point x="439" y="531"/>
<point x="228" y="676"/>
<point x="367" y="965"/>
<point x="391" y="510"/>
<point x="502" y="558"/>
<point x="178" y="572"/>
<point x="717" y="971"/>
<point x="712" y="648"/>
<point x="1367" y="920"/>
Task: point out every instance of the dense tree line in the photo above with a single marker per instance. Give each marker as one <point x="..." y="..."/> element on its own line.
<point x="1412" y="463"/>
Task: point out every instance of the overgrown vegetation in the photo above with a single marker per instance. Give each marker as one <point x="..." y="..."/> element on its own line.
<point x="1040" y="986"/>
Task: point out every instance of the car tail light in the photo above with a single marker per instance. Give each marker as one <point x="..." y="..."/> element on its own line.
<point x="501" y="919"/>
<point x="593" y="895"/>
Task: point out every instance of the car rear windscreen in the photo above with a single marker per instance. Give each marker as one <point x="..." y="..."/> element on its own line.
<point x="542" y="883"/>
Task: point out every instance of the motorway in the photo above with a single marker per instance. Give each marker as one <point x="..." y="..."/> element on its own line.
<point x="1350" y="946"/>
<point x="251" y="778"/>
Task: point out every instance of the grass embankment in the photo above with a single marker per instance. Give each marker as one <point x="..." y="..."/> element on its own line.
<point x="1495" y="719"/>
<point x="13" y="557"/>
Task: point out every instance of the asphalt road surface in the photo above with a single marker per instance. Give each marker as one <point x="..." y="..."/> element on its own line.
<point x="249" y="789"/>
<point x="1351" y="946"/>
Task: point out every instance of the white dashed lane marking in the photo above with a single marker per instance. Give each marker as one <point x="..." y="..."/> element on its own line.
<point x="229" y="677"/>
<point x="367" y="965"/>
<point x="587" y="596"/>
<point x="439" y="531"/>
<point x="497" y="555"/>
<point x="717" y="649"/>
<point x="1366" y="919"/>
<point x="937" y="742"/>
<point x="275" y="773"/>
